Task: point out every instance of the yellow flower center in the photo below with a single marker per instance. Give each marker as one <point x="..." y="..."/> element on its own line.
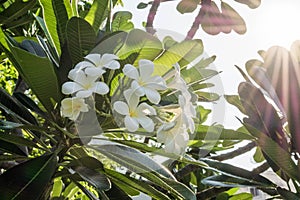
<point x="132" y="114"/>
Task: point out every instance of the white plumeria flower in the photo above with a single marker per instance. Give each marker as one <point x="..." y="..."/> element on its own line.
<point x="72" y="107"/>
<point x="174" y="136"/>
<point x="188" y="111"/>
<point x="135" y="114"/>
<point x="143" y="81"/>
<point x="97" y="64"/>
<point x="83" y="85"/>
<point x="178" y="82"/>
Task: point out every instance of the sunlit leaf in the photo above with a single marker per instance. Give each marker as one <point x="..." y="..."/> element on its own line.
<point x="121" y="21"/>
<point x="96" y="13"/>
<point x="81" y="38"/>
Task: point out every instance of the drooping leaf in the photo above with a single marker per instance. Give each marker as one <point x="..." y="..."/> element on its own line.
<point x="96" y="13"/>
<point x="81" y="38"/>
<point x="285" y="194"/>
<point x="234" y="20"/>
<point x="29" y="179"/>
<point x="116" y="193"/>
<point x="258" y="155"/>
<point x="29" y="103"/>
<point x="18" y="140"/>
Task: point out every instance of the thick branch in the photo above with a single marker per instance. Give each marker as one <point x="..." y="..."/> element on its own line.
<point x="195" y="26"/>
<point x="151" y="16"/>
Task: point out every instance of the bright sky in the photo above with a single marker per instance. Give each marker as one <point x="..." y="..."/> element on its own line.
<point x="274" y="22"/>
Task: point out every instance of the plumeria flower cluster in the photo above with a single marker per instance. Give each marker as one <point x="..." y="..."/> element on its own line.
<point x="174" y="133"/>
<point x="142" y="84"/>
<point x="85" y="81"/>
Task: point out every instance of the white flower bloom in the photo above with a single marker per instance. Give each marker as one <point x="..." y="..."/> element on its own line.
<point x="71" y="107"/>
<point x="174" y="135"/>
<point x="97" y="64"/>
<point x="188" y="111"/>
<point x="178" y="82"/>
<point x="143" y="81"/>
<point x="135" y="114"/>
<point x="83" y="85"/>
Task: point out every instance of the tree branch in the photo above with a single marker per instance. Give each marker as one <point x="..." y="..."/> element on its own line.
<point x="234" y="153"/>
<point x="195" y="26"/>
<point x="151" y="16"/>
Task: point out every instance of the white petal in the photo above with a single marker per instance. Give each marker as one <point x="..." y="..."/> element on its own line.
<point x="94" y="58"/>
<point x="76" y="74"/>
<point x="137" y="89"/>
<point x="101" y="88"/>
<point x="146" y="68"/>
<point x="131" y="71"/>
<point x="84" y="93"/>
<point x="157" y="82"/>
<point x="146" y="123"/>
<point x="152" y="95"/>
<point x="131" y="99"/>
<point x="94" y="71"/>
<point x="146" y="109"/>
<point x="131" y="124"/>
<point x="113" y="65"/>
<point x="70" y="88"/>
<point x="121" y="107"/>
<point x="83" y="64"/>
<point x="107" y="58"/>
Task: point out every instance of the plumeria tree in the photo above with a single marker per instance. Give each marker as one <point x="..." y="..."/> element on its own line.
<point x="92" y="108"/>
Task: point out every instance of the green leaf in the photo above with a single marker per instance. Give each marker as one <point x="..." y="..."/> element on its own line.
<point x="95" y="178"/>
<point x="121" y="21"/>
<point x="28" y="180"/>
<point x="184" y="52"/>
<point x="142" y="5"/>
<point x="16" y="10"/>
<point x="62" y="17"/>
<point x="57" y="187"/>
<point x="258" y="155"/>
<point x="111" y="43"/>
<point x="133" y="159"/>
<point x="204" y="132"/>
<point x="242" y="196"/>
<point x="232" y="171"/>
<point x="5" y="158"/>
<point x="116" y="193"/>
<point x="81" y="38"/>
<point x="130" y="182"/>
<point x="235" y="100"/>
<point x="272" y="150"/>
<point x="16" y="107"/>
<point x="203" y="113"/>
<point x="144" y="44"/>
<point x="287" y="194"/>
<point x="227" y="181"/>
<point x="39" y="74"/>
<point x="51" y="23"/>
<point x="11" y="148"/>
<point x="187" y="6"/>
<point x="181" y="188"/>
<point x="96" y="13"/>
<point x="14" y="139"/>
